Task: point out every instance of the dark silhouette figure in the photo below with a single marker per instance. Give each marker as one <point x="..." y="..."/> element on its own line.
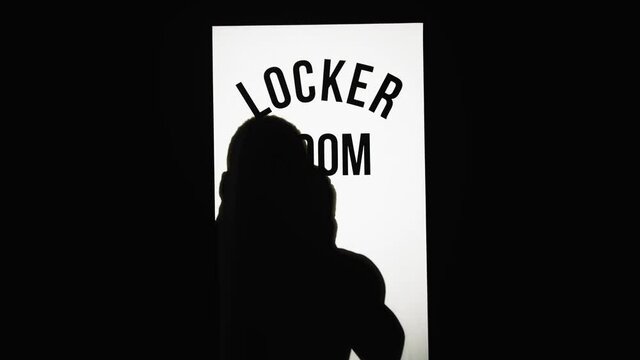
<point x="287" y="291"/>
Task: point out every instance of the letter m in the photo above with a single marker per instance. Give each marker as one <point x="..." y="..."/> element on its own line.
<point x="348" y="153"/>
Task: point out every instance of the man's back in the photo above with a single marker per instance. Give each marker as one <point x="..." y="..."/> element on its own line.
<point x="318" y="306"/>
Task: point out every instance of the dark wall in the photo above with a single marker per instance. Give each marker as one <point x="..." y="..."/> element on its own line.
<point x="158" y="293"/>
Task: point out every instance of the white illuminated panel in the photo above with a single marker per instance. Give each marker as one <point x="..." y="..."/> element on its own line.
<point x="381" y="215"/>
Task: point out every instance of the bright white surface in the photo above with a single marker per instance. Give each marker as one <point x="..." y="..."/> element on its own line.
<point x="381" y="216"/>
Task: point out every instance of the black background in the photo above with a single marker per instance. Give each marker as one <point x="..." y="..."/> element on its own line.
<point x="145" y="281"/>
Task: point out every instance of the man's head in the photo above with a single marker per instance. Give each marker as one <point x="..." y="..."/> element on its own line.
<point x="266" y="166"/>
<point x="269" y="144"/>
<point x="270" y="181"/>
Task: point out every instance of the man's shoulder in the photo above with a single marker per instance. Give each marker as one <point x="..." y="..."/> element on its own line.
<point x="356" y="260"/>
<point x="362" y="274"/>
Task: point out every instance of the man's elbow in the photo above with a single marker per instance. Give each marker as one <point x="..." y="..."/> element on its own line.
<point x="381" y="338"/>
<point x="396" y="336"/>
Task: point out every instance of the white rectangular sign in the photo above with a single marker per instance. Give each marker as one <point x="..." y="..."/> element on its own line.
<point x="362" y="85"/>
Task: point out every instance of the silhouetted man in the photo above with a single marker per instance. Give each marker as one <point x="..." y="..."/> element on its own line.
<point x="287" y="291"/>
